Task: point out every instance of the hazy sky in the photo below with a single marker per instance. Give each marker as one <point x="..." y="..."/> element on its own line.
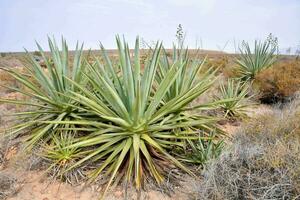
<point x="214" y="22"/>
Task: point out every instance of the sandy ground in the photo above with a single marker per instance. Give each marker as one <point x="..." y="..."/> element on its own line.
<point x="34" y="185"/>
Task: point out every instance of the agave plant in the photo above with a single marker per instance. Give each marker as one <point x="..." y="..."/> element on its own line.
<point x="189" y="74"/>
<point x="203" y="150"/>
<point x="124" y="119"/>
<point x="250" y="63"/>
<point x="238" y="91"/>
<point x="60" y="157"/>
<point x="47" y="88"/>
<point x="134" y="126"/>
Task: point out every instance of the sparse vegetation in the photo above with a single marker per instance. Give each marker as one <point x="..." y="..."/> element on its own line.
<point x="141" y="119"/>
<point x="37" y="53"/>
<point x="262" y="162"/>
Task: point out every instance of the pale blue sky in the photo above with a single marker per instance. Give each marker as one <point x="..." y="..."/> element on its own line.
<point x="213" y="21"/>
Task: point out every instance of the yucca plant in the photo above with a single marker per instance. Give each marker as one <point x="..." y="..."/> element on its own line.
<point x="238" y="91"/>
<point x="134" y="126"/>
<point x="47" y="90"/>
<point x="252" y="62"/>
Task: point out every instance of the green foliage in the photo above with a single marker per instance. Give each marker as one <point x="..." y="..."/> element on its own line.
<point x="239" y="93"/>
<point x="252" y="62"/>
<point x="122" y="118"/>
<point x="203" y="150"/>
<point x="48" y="89"/>
<point x="136" y="125"/>
<point x="188" y="72"/>
<point x="61" y="157"/>
<point x="2" y="54"/>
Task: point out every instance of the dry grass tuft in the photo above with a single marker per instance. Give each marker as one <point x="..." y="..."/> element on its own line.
<point x="262" y="163"/>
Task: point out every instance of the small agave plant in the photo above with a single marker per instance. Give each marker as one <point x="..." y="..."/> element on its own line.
<point x="203" y="150"/>
<point x="250" y="63"/>
<point x="239" y="93"/>
<point x="60" y="157"/>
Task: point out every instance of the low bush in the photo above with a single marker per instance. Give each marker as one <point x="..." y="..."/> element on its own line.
<point x="37" y="53"/>
<point x="220" y="63"/>
<point x="262" y="163"/>
<point x="280" y="82"/>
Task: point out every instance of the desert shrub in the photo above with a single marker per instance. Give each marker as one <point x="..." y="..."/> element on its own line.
<point x="6" y="80"/>
<point x="205" y="147"/>
<point x="262" y="163"/>
<point x="219" y="63"/>
<point x="2" y="54"/>
<point x="188" y="71"/>
<point x="239" y="93"/>
<point x="251" y="62"/>
<point x="278" y="83"/>
<point x="37" y="53"/>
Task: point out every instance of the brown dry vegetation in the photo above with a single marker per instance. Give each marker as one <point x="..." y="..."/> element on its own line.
<point x="262" y="162"/>
<point x="279" y="82"/>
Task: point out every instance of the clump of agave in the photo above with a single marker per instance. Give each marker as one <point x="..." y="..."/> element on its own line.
<point x="123" y="120"/>
<point x="49" y="89"/>
<point x="250" y="63"/>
